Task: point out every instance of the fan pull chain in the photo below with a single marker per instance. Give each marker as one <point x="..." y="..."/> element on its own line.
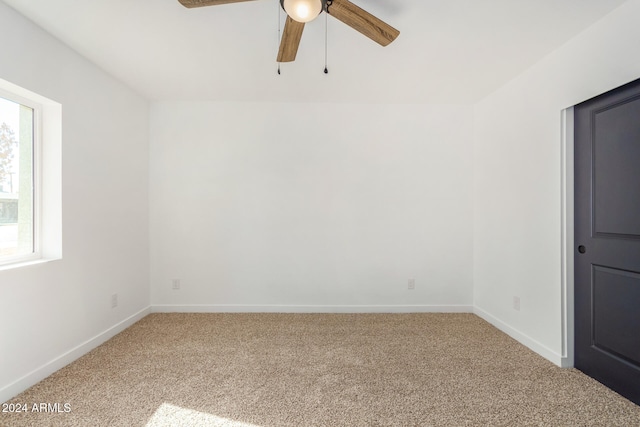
<point x="279" y="30"/>
<point x="326" y="41"/>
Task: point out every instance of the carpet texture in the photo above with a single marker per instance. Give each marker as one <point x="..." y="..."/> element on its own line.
<point x="318" y="370"/>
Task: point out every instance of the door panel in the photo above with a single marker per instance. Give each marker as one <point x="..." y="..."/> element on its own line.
<point x="607" y="237"/>
<point x="616" y="152"/>
<point x="615" y="319"/>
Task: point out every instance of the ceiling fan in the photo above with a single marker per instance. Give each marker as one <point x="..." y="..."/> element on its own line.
<point x="301" y="11"/>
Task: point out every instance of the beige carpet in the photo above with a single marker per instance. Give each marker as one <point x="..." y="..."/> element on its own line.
<point x="318" y="370"/>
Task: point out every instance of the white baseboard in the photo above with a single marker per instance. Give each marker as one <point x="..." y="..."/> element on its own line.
<point x="524" y="339"/>
<point x="63" y="360"/>
<point x="238" y="308"/>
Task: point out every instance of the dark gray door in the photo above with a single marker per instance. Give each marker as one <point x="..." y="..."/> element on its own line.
<point x="607" y="239"/>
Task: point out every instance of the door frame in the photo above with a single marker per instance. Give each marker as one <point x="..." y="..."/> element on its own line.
<point x="567" y="237"/>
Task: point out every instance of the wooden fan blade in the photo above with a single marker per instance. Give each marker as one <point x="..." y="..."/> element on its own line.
<point x="290" y="40"/>
<point x="200" y="3"/>
<point x="362" y="21"/>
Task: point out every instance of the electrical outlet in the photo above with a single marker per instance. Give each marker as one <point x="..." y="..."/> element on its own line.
<point x="175" y="284"/>
<point x="114" y="300"/>
<point x="516" y="303"/>
<point x="412" y="284"/>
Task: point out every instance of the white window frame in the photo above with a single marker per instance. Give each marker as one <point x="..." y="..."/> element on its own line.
<point x="37" y="178"/>
<point x="47" y="176"/>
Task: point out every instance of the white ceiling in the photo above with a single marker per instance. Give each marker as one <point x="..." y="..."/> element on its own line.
<point x="448" y="51"/>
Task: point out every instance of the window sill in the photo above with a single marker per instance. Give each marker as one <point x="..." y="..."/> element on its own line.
<point x="29" y="263"/>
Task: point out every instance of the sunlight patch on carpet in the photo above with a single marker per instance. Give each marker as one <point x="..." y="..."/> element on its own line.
<point x="175" y="416"/>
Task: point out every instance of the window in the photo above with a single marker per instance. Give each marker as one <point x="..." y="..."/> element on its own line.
<point x="30" y="177"/>
<point x="18" y="213"/>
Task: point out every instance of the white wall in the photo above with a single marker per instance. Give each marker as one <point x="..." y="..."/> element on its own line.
<point x="48" y="312"/>
<point x="518" y="180"/>
<point x="318" y="207"/>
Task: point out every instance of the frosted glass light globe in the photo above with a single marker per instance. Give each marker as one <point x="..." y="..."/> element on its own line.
<point x="302" y="10"/>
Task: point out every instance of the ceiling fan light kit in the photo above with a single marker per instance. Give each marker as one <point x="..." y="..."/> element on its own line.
<point x="300" y="12"/>
<point x="303" y="10"/>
